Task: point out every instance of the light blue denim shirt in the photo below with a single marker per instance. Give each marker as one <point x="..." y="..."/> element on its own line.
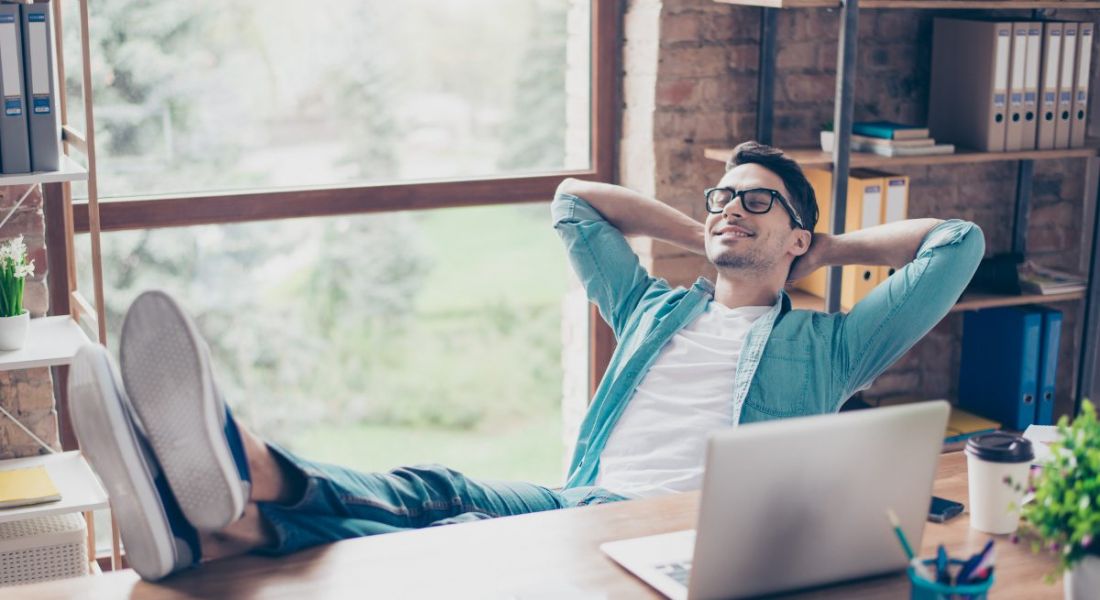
<point x="793" y="362"/>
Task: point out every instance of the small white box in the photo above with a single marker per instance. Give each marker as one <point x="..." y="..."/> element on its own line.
<point x="42" y="548"/>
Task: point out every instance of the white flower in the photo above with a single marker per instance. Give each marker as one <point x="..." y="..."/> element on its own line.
<point x="13" y="252"/>
<point x="18" y="249"/>
<point x="1084" y="502"/>
<point x="24" y="270"/>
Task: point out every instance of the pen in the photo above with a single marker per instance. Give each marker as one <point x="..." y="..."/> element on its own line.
<point x="972" y="563"/>
<point x="942" y="574"/>
<point x="901" y="534"/>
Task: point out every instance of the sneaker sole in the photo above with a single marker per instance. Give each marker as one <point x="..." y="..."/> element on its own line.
<point x="170" y="385"/>
<point x="108" y="440"/>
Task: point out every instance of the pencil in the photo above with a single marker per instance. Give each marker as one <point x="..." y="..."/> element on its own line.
<point x="901" y="534"/>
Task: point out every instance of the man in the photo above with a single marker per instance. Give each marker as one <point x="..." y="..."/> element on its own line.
<point x="188" y="483"/>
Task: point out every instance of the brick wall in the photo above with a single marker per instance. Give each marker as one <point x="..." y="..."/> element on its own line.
<point x="690" y="82"/>
<point x="27" y="393"/>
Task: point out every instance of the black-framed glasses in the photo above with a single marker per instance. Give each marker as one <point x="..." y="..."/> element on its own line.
<point x="756" y="201"/>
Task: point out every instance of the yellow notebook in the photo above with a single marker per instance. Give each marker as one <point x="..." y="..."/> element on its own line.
<point x="20" y="487"/>
<point x="963" y="424"/>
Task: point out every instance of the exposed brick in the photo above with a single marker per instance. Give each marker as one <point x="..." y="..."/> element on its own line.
<point x="896" y="382"/>
<point x="35" y="298"/>
<point x="692" y="62"/>
<point x="736" y="25"/>
<point x="1047" y="239"/>
<point x="1058" y="213"/>
<point x="798" y="55"/>
<point x="677" y="91"/>
<point x="680" y="28"/>
<point x="744" y="58"/>
<point x="809" y="88"/>
<point x="25" y="222"/>
<point x="814" y="24"/>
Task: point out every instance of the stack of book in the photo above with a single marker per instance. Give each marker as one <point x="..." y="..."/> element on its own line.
<point x="1036" y="279"/>
<point x="887" y="138"/>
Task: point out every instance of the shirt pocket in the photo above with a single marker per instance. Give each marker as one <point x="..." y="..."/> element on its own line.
<point x="781" y="386"/>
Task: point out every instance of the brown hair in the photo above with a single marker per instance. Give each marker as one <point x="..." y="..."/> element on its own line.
<point x="802" y="193"/>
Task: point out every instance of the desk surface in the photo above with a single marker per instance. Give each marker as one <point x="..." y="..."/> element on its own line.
<point x="544" y="555"/>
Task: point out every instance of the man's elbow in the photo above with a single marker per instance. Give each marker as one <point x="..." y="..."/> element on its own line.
<point x="569" y="185"/>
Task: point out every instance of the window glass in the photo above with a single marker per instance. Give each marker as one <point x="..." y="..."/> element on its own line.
<point x="209" y="95"/>
<point x="377" y="340"/>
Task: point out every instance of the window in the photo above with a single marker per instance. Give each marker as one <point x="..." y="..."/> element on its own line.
<point x="211" y="116"/>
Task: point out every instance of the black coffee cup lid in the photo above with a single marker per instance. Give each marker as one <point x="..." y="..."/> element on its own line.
<point x="1000" y="446"/>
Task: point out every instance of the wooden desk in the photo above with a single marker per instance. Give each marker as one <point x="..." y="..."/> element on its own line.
<point x="541" y="555"/>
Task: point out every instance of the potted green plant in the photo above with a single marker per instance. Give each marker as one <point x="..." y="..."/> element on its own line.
<point x="14" y="269"/>
<point x="1064" y="517"/>
<point x="827" y="136"/>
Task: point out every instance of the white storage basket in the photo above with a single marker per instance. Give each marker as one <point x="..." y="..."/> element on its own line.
<point x="51" y="547"/>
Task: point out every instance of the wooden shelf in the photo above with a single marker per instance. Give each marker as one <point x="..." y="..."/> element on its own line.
<point x="51" y="341"/>
<point x="80" y="489"/>
<point x="923" y="4"/>
<point x="815" y="157"/>
<point x="971" y="301"/>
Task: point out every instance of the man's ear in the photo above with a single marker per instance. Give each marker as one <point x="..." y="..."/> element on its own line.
<point x="802" y="242"/>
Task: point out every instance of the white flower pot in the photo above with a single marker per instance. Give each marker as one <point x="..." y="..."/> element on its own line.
<point x="13" y="331"/>
<point x="1082" y="582"/>
<point x="827" y="142"/>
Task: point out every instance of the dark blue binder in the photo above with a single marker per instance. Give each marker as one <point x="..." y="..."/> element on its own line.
<point x="43" y="127"/>
<point x="1048" y="364"/>
<point x="999" y="370"/>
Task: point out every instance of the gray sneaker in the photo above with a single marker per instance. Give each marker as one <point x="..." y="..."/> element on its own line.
<point x="158" y="539"/>
<point x="167" y="374"/>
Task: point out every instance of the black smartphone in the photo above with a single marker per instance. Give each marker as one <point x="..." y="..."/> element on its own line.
<point x="943" y="510"/>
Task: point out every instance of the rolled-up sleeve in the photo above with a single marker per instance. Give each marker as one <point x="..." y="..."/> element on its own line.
<point x="901" y="310"/>
<point x="610" y="271"/>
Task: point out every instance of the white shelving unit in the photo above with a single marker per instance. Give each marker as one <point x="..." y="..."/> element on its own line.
<point x="53" y="341"/>
<point x="80" y="490"/>
<point x="77" y="485"/>
<point x="69" y="171"/>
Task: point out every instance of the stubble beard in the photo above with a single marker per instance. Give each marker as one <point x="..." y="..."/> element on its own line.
<point x="757" y="259"/>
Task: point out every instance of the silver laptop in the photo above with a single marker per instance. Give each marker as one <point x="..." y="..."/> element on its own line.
<point x="799" y="502"/>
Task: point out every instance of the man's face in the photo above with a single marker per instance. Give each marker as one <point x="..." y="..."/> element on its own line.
<point x="738" y="239"/>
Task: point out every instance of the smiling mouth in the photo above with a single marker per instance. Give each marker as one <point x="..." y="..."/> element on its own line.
<point x="733" y="232"/>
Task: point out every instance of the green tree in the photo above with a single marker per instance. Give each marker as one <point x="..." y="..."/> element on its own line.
<point x="534" y="132"/>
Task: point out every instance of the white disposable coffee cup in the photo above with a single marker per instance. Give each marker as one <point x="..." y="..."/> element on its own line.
<point x="997" y="468"/>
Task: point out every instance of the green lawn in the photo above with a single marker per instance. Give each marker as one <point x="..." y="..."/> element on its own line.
<point x="490" y="254"/>
<point x="528" y="451"/>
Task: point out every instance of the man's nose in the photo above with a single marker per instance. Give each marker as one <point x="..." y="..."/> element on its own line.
<point x="733" y="209"/>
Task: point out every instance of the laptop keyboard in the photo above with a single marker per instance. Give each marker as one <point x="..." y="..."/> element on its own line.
<point x="677" y="570"/>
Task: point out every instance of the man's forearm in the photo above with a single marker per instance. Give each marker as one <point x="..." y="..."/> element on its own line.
<point x="635" y="214"/>
<point x="892" y="244"/>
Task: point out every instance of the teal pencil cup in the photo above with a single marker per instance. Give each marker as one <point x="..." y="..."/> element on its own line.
<point x="925" y="589"/>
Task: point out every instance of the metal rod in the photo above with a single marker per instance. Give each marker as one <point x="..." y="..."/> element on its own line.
<point x="1089" y="363"/>
<point x="842" y="126"/>
<point x="1023" y="206"/>
<point x="765" y="91"/>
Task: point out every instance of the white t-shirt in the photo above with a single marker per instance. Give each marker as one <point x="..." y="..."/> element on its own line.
<point x="659" y="443"/>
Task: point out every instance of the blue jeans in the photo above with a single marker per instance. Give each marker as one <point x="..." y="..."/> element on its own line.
<point x="339" y="503"/>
